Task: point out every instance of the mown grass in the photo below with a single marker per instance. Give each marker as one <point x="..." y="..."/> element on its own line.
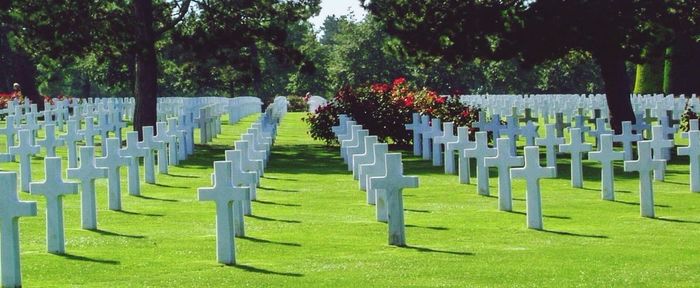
<point x="311" y="227"/>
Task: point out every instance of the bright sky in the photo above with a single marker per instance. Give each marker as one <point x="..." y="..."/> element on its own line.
<point x="338" y="8"/>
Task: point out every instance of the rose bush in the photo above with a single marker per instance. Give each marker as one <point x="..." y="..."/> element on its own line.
<point x="384" y="109"/>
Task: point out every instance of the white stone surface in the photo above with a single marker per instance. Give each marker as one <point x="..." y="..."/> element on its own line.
<point x="223" y="194"/>
<point x="415" y="127"/>
<point x="627" y="138"/>
<point x="162" y="136"/>
<point x="50" y="142"/>
<point x="532" y="172"/>
<point x="480" y="151"/>
<point x="576" y="148"/>
<point x="693" y="151"/>
<point x="645" y="165"/>
<point x="365" y="158"/>
<point x="441" y="141"/>
<point x="25" y="150"/>
<point x="551" y="144"/>
<point x="391" y="185"/>
<point x="241" y="178"/>
<point x="11" y="208"/>
<point x="372" y="170"/>
<point x="504" y="160"/>
<point x="659" y="143"/>
<point x="87" y="173"/>
<point x="606" y="155"/>
<point x="462" y="142"/>
<point x="153" y="146"/>
<point x="133" y="152"/>
<point x="113" y="161"/>
<point x="70" y="139"/>
<point x="53" y="188"/>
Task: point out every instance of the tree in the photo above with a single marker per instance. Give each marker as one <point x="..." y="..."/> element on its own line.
<point x="534" y="31"/>
<point x="112" y="29"/>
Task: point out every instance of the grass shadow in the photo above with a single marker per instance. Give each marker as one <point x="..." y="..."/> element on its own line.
<point x="264" y="271"/>
<point x="430" y="250"/>
<point x="676" y="220"/>
<point x="417" y="210"/>
<point x="428" y="227"/>
<point x="109" y="233"/>
<point x="155" y="198"/>
<point x="545" y="216"/>
<point x="87" y="259"/>
<point x="273" y="219"/>
<point x="258" y="240"/>
<point x="637" y="203"/>
<point x="276" y="203"/>
<point x="182" y="176"/>
<point x="139" y="214"/>
<point x="281" y="179"/>
<point x="278" y="190"/>
<point x="168" y="186"/>
<point x="574" y="234"/>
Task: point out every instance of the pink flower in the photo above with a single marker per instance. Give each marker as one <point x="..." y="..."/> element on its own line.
<point x="399" y="81"/>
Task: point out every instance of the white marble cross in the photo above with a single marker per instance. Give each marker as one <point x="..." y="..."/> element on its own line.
<point x="659" y="145"/>
<point x="443" y="138"/>
<point x="365" y="158"/>
<point x="162" y="136"/>
<point x="90" y="132"/>
<point x="599" y="130"/>
<point x="374" y="169"/>
<point x="480" y="151"/>
<point x="70" y="139"/>
<point x="415" y="126"/>
<point x="134" y="152"/>
<point x="459" y="145"/>
<point x="529" y="132"/>
<point x="353" y="139"/>
<point x="253" y="152"/>
<point x="532" y="172"/>
<point x="504" y="160"/>
<point x="693" y="151"/>
<point x="223" y="194"/>
<point x="391" y="184"/>
<point x="640" y="125"/>
<point x="87" y="173"/>
<point x="32" y="126"/>
<point x="50" y="142"/>
<point x="513" y="132"/>
<point x="153" y="146"/>
<point x="645" y="165"/>
<point x="11" y="208"/>
<point x="494" y="126"/>
<point x="559" y="124"/>
<point x="580" y="123"/>
<point x="356" y="149"/>
<point x="113" y="161"/>
<point x="173" y="130"/>
<point x="576" y="147"/>
<point x="606" y="155"/>
<point x="347" y="132"/>
<point x="551" y="144"/>
<point x="9" y="131"/>
<point x="25" y="150"/>
<point x="429" y="134"/>
<point x="627" y="138"/>
<point x="53" y="189"/>
<point x="342" y="118"/>
<point x="248" y="162"/>
<point x="242" y="179"/>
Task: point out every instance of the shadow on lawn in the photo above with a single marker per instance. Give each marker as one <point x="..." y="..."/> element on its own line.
<point x="545" y="216"/>
<point x="275" y="203"/>
<point x="183" y="176"/>
<point x="264" y="271"/>
<point x="306" y="159"/>
<point x="139" y="214"/>
<point x="430" y="250"/>
<point x="87" y="259"/>
<point x="168" y="186"/>
<point x="108" y="233"/>
<point x="428" y="227"/>
<point x="154" y="198"/>
<point x="637" y="203"/>
<point x="574" y="234"/>
<point x="273" y="219"/>
<point x="278" y="190"/>
<point x="258" y="240"/>
<point x="677" y="220"/>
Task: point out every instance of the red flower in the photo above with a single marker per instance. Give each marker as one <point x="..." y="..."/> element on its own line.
<point x="380" y="88"/>
<point x="399" y="81"/>
<point x="408" y="101"/>
<point x="440" y="100"/>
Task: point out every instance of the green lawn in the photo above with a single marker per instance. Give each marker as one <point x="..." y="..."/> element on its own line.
<point x="311" y="227"/>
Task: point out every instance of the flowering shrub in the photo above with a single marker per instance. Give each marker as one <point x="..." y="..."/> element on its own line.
<point x="384" y="109"/>
<point x="296" y="104"/>
<point x="685" y="119"/>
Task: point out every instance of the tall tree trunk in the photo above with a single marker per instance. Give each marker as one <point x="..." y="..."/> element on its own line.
<point x="650" y="75"/>
<point x="681" y="68"/>
<point x="146" y="82"/>
<point x="617" y="89"/>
